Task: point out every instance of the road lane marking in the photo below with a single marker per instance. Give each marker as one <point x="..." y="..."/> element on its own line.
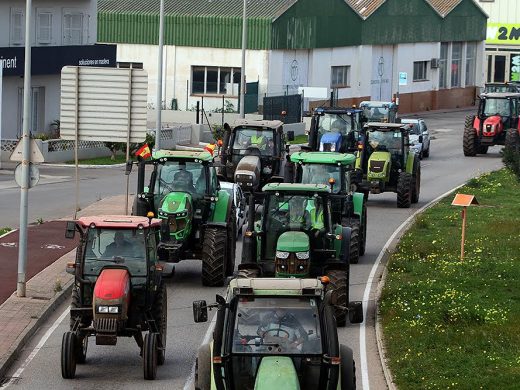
<point x="368" y="287"/>
<point x="18" y="374"/>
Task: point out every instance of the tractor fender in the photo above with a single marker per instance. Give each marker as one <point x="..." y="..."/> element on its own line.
<point x="222" y="209"/>
<point x="410" y="162"/>
<point x="342" y="246"/>
<point x="477" y="124"/>
<point x="358" y="199"/>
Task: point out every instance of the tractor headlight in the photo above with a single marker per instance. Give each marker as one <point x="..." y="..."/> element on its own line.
<point x="302" y="255"/>
<point x="102" y="309"/>
<point x="332" y="147"/>
<point x="113" y="309"/>
<point x="282" y="254"/>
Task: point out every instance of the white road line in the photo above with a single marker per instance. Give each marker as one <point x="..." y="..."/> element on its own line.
<point x="36" y="349"/>
<point x="368" y="287"/>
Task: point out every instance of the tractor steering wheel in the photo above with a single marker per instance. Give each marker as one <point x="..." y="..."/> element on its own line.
<point x="166" y="185"/>
<point x="277" y="330"/>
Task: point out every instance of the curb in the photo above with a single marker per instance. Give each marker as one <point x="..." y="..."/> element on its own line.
<point x="84" y="165"/>
<point x="29" y="331"/>
<point x="9" y="232"/>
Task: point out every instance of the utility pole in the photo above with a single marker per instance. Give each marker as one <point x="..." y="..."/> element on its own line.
<point x="159" y="78"/>
<point x="243" y="71"/>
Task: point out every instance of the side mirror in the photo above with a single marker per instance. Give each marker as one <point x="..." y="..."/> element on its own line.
<point x="128" y="169"/>
<point x="70" y="230"/>
<point x="200" y="311"/>
<point x="290" y="135"/>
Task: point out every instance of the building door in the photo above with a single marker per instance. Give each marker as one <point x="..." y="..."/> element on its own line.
<point x="381" y="80"/>
<point x="496" y="68"/>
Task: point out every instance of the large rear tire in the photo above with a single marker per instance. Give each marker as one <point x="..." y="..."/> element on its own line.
<point x="214" y="257"/>
<point x="348" y="368"/>
<point x="150" y="352"/>
<point x="81" y="349"/>
<point x="160" y="315"/>
<point x="404" y="190"/>
<point x="231" y="243"/>
<point x="339" y="282"/>
<point x="85" y="319"/>
<point x="68" y="355"/>
<point x="354" y="243"/>
<point x="416" y="181"/>
<point x="469" y="142"/>
<point x="363" y="231"/>
<point x="512" y="141"/>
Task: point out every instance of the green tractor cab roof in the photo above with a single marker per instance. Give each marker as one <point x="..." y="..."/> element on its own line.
<point x="182" y="155"/>
<point x="323" y="158"/>
<point x="383" y="126"/>
<point x="293" y="187"/>
<point x="117" y="222"/>
<point x="276" y="286"/>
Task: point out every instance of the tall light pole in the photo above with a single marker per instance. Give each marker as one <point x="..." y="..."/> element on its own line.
<point x="159" y="78"/>
<point x="24" y="187"/>
<point x="243" y="70"/>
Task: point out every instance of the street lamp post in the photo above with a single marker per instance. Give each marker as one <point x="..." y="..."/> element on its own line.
<point x="243" y="70"/>
<point x="159" y="78"/>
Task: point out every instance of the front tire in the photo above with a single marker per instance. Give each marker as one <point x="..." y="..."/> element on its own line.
<point x="150" y="352"/>
<point x="512" y="139"/>
<point x="339" y="282"/>
<point x="68" y="355"/>
<point x="404" y="190"/>
<point x="354" y="243"/>
<point x="416" y="181"/>
<point x="214" y="257"/>
<point x="469" y="142"/>
<point x="160" y="315"/>
<point x="203" y="368"/>
<point x="348" y="368"/>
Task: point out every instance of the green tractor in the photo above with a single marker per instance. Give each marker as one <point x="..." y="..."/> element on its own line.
<point x="388" y="163"/>
<point x="275" y="334"/>
<point x="198" y="218"/>
<point x="293" y="235"/>
<point x="348" y="208"/>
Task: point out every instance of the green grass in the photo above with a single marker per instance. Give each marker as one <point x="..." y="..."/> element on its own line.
<point x="101" y="160"/>
<point x="4" y="230"/>
<point x="300" y="139"/>
<point x="450" y="323"/>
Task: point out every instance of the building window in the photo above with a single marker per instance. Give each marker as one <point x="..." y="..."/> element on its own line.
<point x="340" y="77"/>
<point x="215" y="80"/>
<point x="419" y="70"/>
<point x="130" y="65"/>
<point x="471" y="61"/>
<point x="443" y="66"/>
<point x="456" y="64"/>
<point x="72" y="29"/>
<point x="44" y="27"/>
<point x="17" y="26"/>
<point x="37" y="118"/>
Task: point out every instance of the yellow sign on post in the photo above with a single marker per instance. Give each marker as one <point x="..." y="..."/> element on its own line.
<point x="463" y="200"/>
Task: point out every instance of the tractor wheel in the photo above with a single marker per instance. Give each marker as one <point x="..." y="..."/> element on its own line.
<point x="348" y="368"/>
<point x="404" y="190"/>
<point x="160" y="315"/>
<point x="469" y="142"/>
<point x="81" y="349"/>
<point x="363" y="231"/>
<point x="288" y="172"/>
<point x="150" y="352"/>
<point x="416" y="181"/>
<point x="231" y="243"/>
<point x="203" y="368"/>
<point x="354" y="243"/>
<point x="214" y="257"/>
<point x="85" y="320"/>
<point x="339" y="281"/>
<point x="68" y="355"/>
<point x="482" y="149"/>
<point x="512" y="139"/>
<point x="426" y="153"/>
<point x="248" y="273"/>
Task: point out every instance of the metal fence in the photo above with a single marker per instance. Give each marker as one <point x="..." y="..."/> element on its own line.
<point x="291" y="104"/>
<point x="8" y="145"/>
<point x="179" y="135"/>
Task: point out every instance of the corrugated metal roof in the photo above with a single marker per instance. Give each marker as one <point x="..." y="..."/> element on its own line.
<point x="443" y="7"/>
<point x="255" y="8"/>
<point x="365" y="8"/>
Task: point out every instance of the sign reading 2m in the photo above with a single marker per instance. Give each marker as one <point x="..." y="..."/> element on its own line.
<point x="503" y="33"/>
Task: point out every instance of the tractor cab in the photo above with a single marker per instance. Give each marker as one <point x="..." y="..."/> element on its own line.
<point x="185" y="194"/>
<point x="377" y="111"/>
<point x="274" y="334"/>
<point x="388" y="163"/>
<point x="253" y="152"/>
<point x="118" y="289"/>
<point x="335" y="129"/>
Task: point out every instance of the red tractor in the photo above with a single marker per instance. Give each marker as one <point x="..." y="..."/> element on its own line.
<point x="495" y="124"/>
<point x="118" y="289"/>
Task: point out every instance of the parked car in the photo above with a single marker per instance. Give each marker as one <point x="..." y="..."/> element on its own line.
<point x="240" y="202"/>
<point x="419" y="137"/>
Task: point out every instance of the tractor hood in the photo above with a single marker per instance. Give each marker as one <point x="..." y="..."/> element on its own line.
<point x="276" y="372"/>
<point x="379" y="165"/>
<point x="112" y="293"/>
<point x="247" y="174"/>
<point x="176" y="207"/>
<point x="293" y="242"/>
<point x="492" y="126"/>
<point x="330" y="142"/>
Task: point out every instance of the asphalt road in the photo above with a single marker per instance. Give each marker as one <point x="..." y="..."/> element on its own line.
<point x="121" y="366"/>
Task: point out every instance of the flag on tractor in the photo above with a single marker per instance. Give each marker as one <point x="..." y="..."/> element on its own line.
<point x="210" y="148"/>
<point x="144" y="152"/>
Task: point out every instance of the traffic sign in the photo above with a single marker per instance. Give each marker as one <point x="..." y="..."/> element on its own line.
<point x="403" y="78"/>
<point x="34" y="175"/>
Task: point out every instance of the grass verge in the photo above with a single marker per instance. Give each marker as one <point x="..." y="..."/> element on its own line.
<point x="4" y="230"/>
<point x="300" y="139"/>
<point x="101" y="161"/>
<point x="449" y="323"/>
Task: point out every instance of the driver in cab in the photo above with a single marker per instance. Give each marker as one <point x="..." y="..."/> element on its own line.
<point x="120" y="247"/>
<point x="258" y="140"/>
<point x="278" y="325"/>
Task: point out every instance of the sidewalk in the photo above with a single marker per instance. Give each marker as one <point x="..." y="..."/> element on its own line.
<point x="45" y="291"/>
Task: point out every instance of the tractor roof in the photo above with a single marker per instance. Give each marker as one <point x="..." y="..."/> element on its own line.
<point x="182" y="154"/>
<point x="336" y="110"/>
<point x="376" y="103"/>
<point x="500" y="95"/>
<point x="383" y="126"/>
<point x="293" y="187"/>
<point x="257" y="123"/>
<point x="117" y="221"/>
<point x="323" y="158"/>
<point x="276" y="286"/>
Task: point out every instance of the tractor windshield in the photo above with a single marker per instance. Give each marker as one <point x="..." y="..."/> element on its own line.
<point x="494" y="106"/>
<point x="320" y="174"/>
<point x="335" y="123"/>
<point x="285" y="212"/>
<point x="254" y="139"/>
<point x="385" y="140"/>
<point x="181" y="176"/>
<point x="124" y="247"/>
